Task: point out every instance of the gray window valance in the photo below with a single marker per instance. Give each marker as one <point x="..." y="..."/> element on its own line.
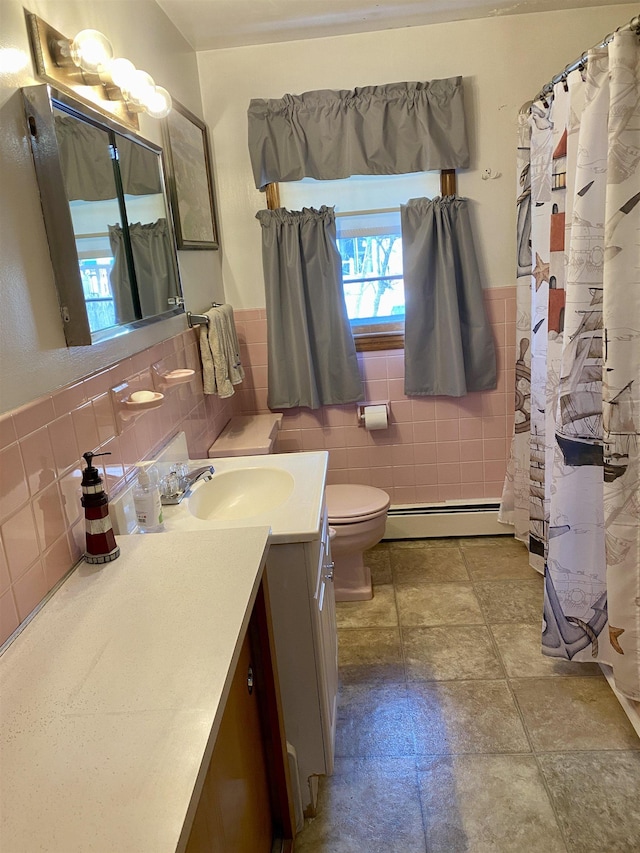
<point x="375" y="130"/>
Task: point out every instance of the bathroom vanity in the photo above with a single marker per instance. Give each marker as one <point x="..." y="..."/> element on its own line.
<point x="124" y="698"/>
<point x="285" y="492"/>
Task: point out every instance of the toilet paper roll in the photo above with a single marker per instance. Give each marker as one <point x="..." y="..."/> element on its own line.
<point x="375" y="417"/>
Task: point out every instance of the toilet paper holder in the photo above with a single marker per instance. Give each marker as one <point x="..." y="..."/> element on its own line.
<point x="362" y="406"/>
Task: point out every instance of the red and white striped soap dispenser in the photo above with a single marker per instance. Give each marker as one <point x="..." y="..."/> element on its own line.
<point x="101" y="541"/>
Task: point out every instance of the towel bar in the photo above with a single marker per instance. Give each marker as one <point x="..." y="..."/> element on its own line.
<point x="200" y="319"/>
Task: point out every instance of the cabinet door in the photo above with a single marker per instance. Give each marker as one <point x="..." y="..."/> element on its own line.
<point x="328" y="634"/>
<point x="234" y="813"/>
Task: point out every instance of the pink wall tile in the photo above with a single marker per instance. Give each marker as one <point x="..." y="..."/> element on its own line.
<point x="71" y="495"/>
<point x="5" y="578"/>
<point x="425" y="454"/>
<point x="7" y="431"/>
<point x="20" y="541"/>
<point x="404" y="475"/>
<point x="69" y="398"/>
<point x="402" y="454"/>
<point x="447" y="430"/>
<point x="105" y="418"/>
<point x="63" y="441"/>
<point x="86" y="428"/>
<point x="338" y="459"/>
<point x="470" y="428"/>
<point x="471" y="451"/>
<point x="448" y="473"/>
<point x="50" y="520"/>
<point x="33" y="416"/>
<point x="38" y="460"/>
<point x="424" y="431"/>
<point x="449" y="451"/>
<point x="450" y="492"/>
<point x="56" y="561"/>
<point x="15" y="490"/>
<point x="9" y="619"/>
<point x="30" y="589"/>
<point x="472" y="472"/>
<point x="427" y="494"/>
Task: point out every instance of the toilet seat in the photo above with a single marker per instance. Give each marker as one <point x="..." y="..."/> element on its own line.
<point x="350" y="504"/>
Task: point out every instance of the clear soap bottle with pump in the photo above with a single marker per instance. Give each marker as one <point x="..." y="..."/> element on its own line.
<point x="146" y="500"/>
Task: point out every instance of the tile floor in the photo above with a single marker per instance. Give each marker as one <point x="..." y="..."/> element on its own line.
<point x="454" y="732"/>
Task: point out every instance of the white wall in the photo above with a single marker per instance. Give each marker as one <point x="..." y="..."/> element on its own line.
<point x="33" y="356"/>
<point x="504" y="60"/>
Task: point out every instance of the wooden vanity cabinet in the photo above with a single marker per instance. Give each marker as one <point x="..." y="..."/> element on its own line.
<point x="245" y="804"/>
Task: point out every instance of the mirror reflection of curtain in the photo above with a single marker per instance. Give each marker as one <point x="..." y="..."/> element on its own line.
<point x="87" y="166"/>
<point x="153" y="261"/>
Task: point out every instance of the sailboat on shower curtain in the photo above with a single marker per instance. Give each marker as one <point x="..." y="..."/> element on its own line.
<point x="579" y="432"/>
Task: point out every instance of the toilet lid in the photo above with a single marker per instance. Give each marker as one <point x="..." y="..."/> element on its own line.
<point x="354" y="503"/>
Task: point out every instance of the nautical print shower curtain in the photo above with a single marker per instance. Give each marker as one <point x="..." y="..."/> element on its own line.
<point x="573" y="484"/>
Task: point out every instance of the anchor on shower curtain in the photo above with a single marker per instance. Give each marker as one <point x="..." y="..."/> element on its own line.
<point x="573" y="484"/>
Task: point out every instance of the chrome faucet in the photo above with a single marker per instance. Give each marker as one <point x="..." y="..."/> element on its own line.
<point x="175" y="488"/>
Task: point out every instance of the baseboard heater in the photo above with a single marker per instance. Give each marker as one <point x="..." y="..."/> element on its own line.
<point x="450" y="518"/>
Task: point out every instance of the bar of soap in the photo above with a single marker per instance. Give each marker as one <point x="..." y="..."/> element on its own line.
<point x="142" y="396"/>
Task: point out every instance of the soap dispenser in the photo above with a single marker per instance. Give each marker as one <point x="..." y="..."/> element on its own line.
<point x="147" y="503"/>
<point x="100" y="539"/>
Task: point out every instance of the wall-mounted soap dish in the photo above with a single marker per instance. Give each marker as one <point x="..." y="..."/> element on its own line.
<point x="140" y="401"/>
<point x="164" y="378"/>
<point x="130" y="401"/>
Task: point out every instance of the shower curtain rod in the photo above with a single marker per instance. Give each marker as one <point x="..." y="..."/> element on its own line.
<point x="634" y="24"/>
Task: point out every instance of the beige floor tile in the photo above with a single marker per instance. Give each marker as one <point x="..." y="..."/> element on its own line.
<point x="493" y="563"/>
<point x="487" y="804"/>
<point x="597" y="799"/>
<point x="438" y="604"/>
<point x="423" y="544"/>
<point x="563" y="714"/>
<point x="465" y="716"/>
<point x="450" y="652"/>
<point x="418" y="565"/>
<point x="368" y="806"/>
<point x="379" y="612"/>
<point x="374" y="720"/>
<point x="378" y="561"/>
<point x="499" y="543"/>
<point x="519" y="646"/>
<point x="511" y="600"/>
<point x="370" y="655"/>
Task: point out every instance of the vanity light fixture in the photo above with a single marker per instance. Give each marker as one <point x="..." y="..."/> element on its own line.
<point x="86" y="66"/>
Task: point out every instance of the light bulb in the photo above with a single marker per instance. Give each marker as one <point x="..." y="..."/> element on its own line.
<point x="137" y="87"/>
<point x="158" y="105"/>
<point x="91" y="51"/>
<point x="120" y="71"/>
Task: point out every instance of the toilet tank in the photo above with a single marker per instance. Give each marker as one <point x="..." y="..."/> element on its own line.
<point x="247" y="435"/>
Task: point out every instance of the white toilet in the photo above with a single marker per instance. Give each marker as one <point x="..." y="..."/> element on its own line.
<point x="358" y="515"/>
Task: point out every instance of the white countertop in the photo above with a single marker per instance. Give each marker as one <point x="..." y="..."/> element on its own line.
<point x="110" y="696"/>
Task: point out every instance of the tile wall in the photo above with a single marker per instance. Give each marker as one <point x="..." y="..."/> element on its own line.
<point x="435" y="449"/>
<point x="41" y="518"/>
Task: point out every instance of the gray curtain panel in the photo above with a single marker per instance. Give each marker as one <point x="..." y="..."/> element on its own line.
<point x="153" y="260"/>
<point x="449" y="346"/>
<point x="312" y="358"/>
<point x="375" y="130"/>
<point x="88" y="168"/>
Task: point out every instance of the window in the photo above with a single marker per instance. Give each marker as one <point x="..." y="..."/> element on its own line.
<point x="370" y="243"/>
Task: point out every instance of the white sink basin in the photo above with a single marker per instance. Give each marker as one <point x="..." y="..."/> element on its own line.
<point x="240" y="493"/>
<point x="283" y="491"/>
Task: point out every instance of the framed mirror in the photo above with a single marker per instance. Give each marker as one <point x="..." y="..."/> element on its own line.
<point x="107" y="218"/>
